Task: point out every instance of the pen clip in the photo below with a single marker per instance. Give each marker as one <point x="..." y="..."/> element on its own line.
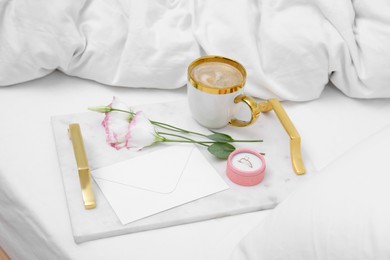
<point x="82" y="165"/>
<point x="295" y="138"/>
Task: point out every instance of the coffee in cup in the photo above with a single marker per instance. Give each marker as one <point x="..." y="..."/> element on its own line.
<point x="215" y="87"/>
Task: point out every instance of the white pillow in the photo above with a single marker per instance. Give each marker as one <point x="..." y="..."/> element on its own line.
<point x="343" y="213"/>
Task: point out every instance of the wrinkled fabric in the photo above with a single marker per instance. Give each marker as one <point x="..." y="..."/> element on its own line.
<point x="290" y="48"/>
<point x="340" y="214"/>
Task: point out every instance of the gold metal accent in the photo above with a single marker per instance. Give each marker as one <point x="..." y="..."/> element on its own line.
<point x="82" y="165"/>
<point x="295" y="138"/>
<point x="253" y="106"/>
<point x="212" y="90"/>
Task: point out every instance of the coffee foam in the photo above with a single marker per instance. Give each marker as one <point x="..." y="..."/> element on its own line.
<point x="217" y="75"/>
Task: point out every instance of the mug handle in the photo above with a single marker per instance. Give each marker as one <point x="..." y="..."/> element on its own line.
<point x="253" y="106"/>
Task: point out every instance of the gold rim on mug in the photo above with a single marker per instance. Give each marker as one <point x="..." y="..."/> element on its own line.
<point x="212" y="90"/>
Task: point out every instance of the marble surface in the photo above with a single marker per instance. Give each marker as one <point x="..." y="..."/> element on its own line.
<point x="102" y="222"/>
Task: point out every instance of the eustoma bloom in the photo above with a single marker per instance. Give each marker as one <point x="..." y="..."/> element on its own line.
<point x="141" y="132"/>
<point x="128" y="129"/>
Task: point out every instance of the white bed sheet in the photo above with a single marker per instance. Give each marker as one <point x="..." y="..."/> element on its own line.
<point x="34" y="222"/>
<point x="290" y="48"/>
<point x="343" y="213"/>
<point x="34" y="219"/>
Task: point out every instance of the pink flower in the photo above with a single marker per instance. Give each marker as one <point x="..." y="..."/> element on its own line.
<point x="130" y="130"/>
<point x="124" y="128"/>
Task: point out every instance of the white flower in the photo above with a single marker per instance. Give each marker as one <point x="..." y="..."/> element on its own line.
<point x="130" y="130"/>
<point x="124" y="128"/>
<point x="116" y="124"/>
<point x="141" y="132"/>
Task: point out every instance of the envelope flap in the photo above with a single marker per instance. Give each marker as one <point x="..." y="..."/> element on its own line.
<point x="158" y="171"/>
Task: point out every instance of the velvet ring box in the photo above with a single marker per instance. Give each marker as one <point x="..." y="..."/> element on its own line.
<point x="245" y="167"/>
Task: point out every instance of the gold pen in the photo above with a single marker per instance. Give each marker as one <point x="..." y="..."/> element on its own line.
<point x="82" y="166"/>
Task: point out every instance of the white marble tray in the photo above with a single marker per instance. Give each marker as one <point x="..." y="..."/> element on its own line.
<point x="102" y="222"/>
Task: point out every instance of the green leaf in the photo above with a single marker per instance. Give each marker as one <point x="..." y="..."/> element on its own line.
<point x="220" y="137"/>
<point x="221" y="150"/>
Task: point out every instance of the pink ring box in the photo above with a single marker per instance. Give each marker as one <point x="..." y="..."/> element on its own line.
<point x="245" y="167"/>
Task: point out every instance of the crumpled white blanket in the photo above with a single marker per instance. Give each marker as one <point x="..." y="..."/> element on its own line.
<point x="290" y="48"/>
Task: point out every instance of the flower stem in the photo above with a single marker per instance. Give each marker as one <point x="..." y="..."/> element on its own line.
<point x="121" y="110"/>
<point x="245" y="141"/>
<point x="174" y="128"/>
<point x="187" y="140"/>
<point x="181" y="130"/>
<point x="163" y="125"/>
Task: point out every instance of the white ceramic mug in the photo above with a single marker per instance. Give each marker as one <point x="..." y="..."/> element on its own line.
<point x="215" y="87"/>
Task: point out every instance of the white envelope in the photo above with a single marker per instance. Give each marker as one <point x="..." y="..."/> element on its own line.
<point x="154" y="182"/>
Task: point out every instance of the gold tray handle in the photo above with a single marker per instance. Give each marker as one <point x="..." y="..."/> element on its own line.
<point x="295" y="138"/>
<point x="82" y="165"/>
